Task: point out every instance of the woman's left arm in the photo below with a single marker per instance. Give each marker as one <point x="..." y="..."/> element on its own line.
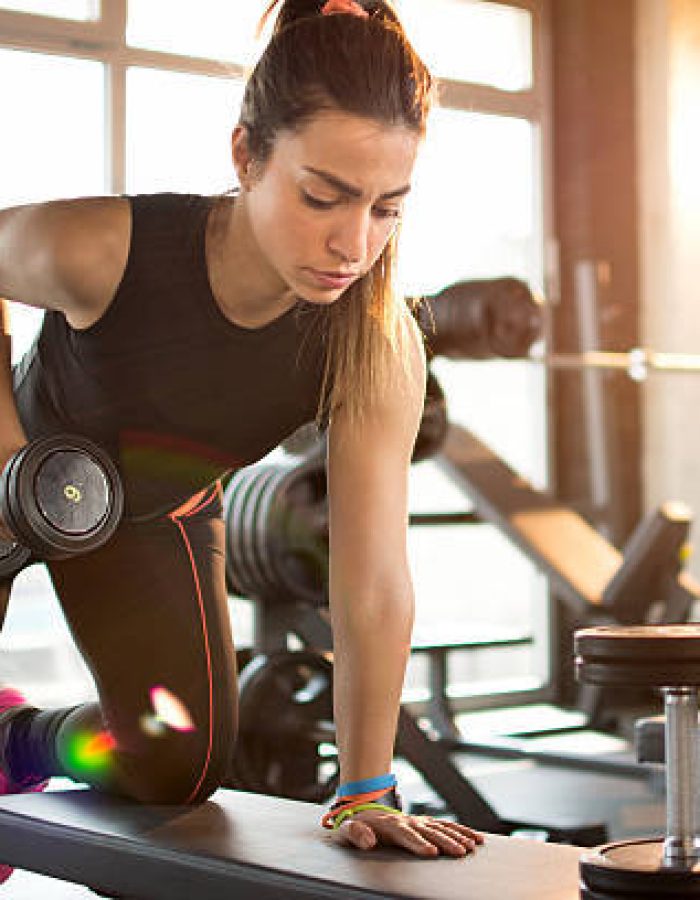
<point x="372" y="603"/>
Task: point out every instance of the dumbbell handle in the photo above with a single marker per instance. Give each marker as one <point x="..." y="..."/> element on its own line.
<point x="681" y="706"/>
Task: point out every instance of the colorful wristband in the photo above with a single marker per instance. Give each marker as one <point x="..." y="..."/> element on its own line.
<point x="381" y="782"/>
<point x="384" y="800"/>
<point x="341" y="817"/>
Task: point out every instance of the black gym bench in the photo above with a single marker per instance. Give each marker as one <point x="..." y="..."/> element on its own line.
<point x="240" y="845"/>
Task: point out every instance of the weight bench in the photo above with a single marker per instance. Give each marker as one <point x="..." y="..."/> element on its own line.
<point x="642" y="581"/>
<point x="239" y="845"/>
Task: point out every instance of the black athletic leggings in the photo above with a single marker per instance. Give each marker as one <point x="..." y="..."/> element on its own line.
<point x="149" y="609"/>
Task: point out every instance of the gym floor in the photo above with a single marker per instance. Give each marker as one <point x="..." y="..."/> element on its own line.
<point x="517" y="789"/>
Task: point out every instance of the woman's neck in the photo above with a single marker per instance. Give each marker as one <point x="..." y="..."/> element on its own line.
<point x="247" y="290"/>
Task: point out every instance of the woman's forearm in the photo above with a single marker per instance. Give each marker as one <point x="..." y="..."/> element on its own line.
<point x="371" y="640"/>
<point x="12" y="435"/>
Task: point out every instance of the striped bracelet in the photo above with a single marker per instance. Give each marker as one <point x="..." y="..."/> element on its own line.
<point x="388" y="801"/>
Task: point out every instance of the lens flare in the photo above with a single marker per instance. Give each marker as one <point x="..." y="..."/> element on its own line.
<point x="170" y="710"/>
<point x="91" y="752"/>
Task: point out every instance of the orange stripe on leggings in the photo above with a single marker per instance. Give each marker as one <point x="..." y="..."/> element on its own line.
<point x="207" y="652"/>
<point x="191" y="505"/>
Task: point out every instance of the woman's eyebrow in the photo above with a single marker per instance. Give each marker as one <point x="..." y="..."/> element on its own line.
<point x="350" y="189"/>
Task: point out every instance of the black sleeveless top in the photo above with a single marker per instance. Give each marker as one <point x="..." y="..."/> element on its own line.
<point x="173" y="390"/>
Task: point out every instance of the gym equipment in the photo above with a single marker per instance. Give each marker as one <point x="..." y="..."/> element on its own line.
<point x="277" y="518"/>
<point x="644" y="582"/>
<point x="277" y="530"/>
<point x="597" y="581"/>
<point x="586" y="570"/>
<point x="665" y="657"/>
<point x="636" y="363"/>
<point x="286" y="700"/>
<point x="481" y="319"/>
<point x="59" y="496"/>
<point x="312" y="771"/>
<point x="251" y="847"/>
<point x="433" y="425"/>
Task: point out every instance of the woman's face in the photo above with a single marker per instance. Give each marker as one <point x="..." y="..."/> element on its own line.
<point x="324" y="204"/>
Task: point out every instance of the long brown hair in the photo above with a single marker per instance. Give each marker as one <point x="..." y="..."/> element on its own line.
<point x="367" y="67"/>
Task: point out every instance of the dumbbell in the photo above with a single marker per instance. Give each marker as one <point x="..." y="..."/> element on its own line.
<point x="666" y="657"/>
<point x="59" y="496"/>
<point x="481" y="319"/>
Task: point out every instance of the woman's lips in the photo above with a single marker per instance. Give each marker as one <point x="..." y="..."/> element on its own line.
<point x="333" y="280"/>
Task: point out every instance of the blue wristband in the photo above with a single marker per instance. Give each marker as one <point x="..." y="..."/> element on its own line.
<point x="381" y="782"/>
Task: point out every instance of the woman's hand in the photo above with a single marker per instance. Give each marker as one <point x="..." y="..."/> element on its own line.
<point x="422" y="835"/>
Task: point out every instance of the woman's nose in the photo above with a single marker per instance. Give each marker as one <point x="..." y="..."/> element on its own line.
<point x="349" y="238"/>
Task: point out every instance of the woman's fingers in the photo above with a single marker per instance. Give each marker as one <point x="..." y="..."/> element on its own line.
<point x="450" y="842"/>
<point x="462" y="830"/>
<point x="421" y="835"/>
<point x="359" y="834"/>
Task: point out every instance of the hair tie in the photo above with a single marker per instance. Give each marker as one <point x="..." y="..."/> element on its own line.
<point x="351" y="7"/>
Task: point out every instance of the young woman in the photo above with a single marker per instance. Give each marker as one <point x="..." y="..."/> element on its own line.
<point x="189" y="335"/>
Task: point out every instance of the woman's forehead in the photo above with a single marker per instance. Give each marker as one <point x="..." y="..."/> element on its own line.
<point x="342" y="141"/>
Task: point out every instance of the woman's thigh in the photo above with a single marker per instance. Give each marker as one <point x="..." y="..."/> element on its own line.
<point x="149" y="613"/>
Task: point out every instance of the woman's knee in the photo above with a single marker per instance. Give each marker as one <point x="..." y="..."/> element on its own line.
<point x="179" y="771"/>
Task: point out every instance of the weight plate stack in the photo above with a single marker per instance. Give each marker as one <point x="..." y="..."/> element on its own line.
<point x="635" y="869"/>
<point x="286" y="737"/>
<point x="277" y="532"/>
<point x="243" y="570"/>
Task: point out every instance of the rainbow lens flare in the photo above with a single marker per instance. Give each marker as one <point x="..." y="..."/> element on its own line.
<point x="90" y="753"/>
<point x="169" y="710"/>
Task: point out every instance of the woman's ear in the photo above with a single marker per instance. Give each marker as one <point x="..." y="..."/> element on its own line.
<point x="240" y="153"/>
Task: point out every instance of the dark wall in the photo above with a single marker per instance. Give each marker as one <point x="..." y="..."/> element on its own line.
<point x="596" y="219"/>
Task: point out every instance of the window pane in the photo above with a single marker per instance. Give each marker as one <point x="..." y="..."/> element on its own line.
<point x="219" y="29"/>
<point x="55" y="146"/>
<point x="471" y="40"/>
<point x="179" y="131"/>
<point x="81" y="10"/>
<point x="473" y="214"/>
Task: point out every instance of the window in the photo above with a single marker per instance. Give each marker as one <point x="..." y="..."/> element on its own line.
<point x="177" y="27"/>
<point x="55" y="145"/>
<point x="470" y="40"/>
<point x="178" y="131"/>
<point x="81" y="10"/>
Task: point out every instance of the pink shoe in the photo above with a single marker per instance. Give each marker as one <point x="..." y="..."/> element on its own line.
<point x="10" y="697"/>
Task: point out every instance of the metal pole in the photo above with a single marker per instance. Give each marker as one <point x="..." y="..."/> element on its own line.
<point x="681" y="705"/>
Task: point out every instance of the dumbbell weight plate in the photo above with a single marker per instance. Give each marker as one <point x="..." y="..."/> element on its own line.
<point x="241" y="579"/>
<point x="301" y="517"/>
<point x="250" y="527"/>
<point x="284" y="719"/>
<point x="13" y="557"/>
<point x="635" y="869"/>
<point x="433" y="424"/>
<point x="61" y="495"/>
<point x="244" y="570"/>
<point x="639" y="655"/>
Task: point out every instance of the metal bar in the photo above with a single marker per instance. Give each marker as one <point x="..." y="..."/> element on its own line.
<point x="636" y="362"/>
<point x="453" y="518"/>
<point x="681" y="704"/>
<point x="594" y="400"/>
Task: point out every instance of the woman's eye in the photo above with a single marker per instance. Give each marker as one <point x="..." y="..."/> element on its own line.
<point x="385" y="212"/>
<point x="317" y="203"/>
